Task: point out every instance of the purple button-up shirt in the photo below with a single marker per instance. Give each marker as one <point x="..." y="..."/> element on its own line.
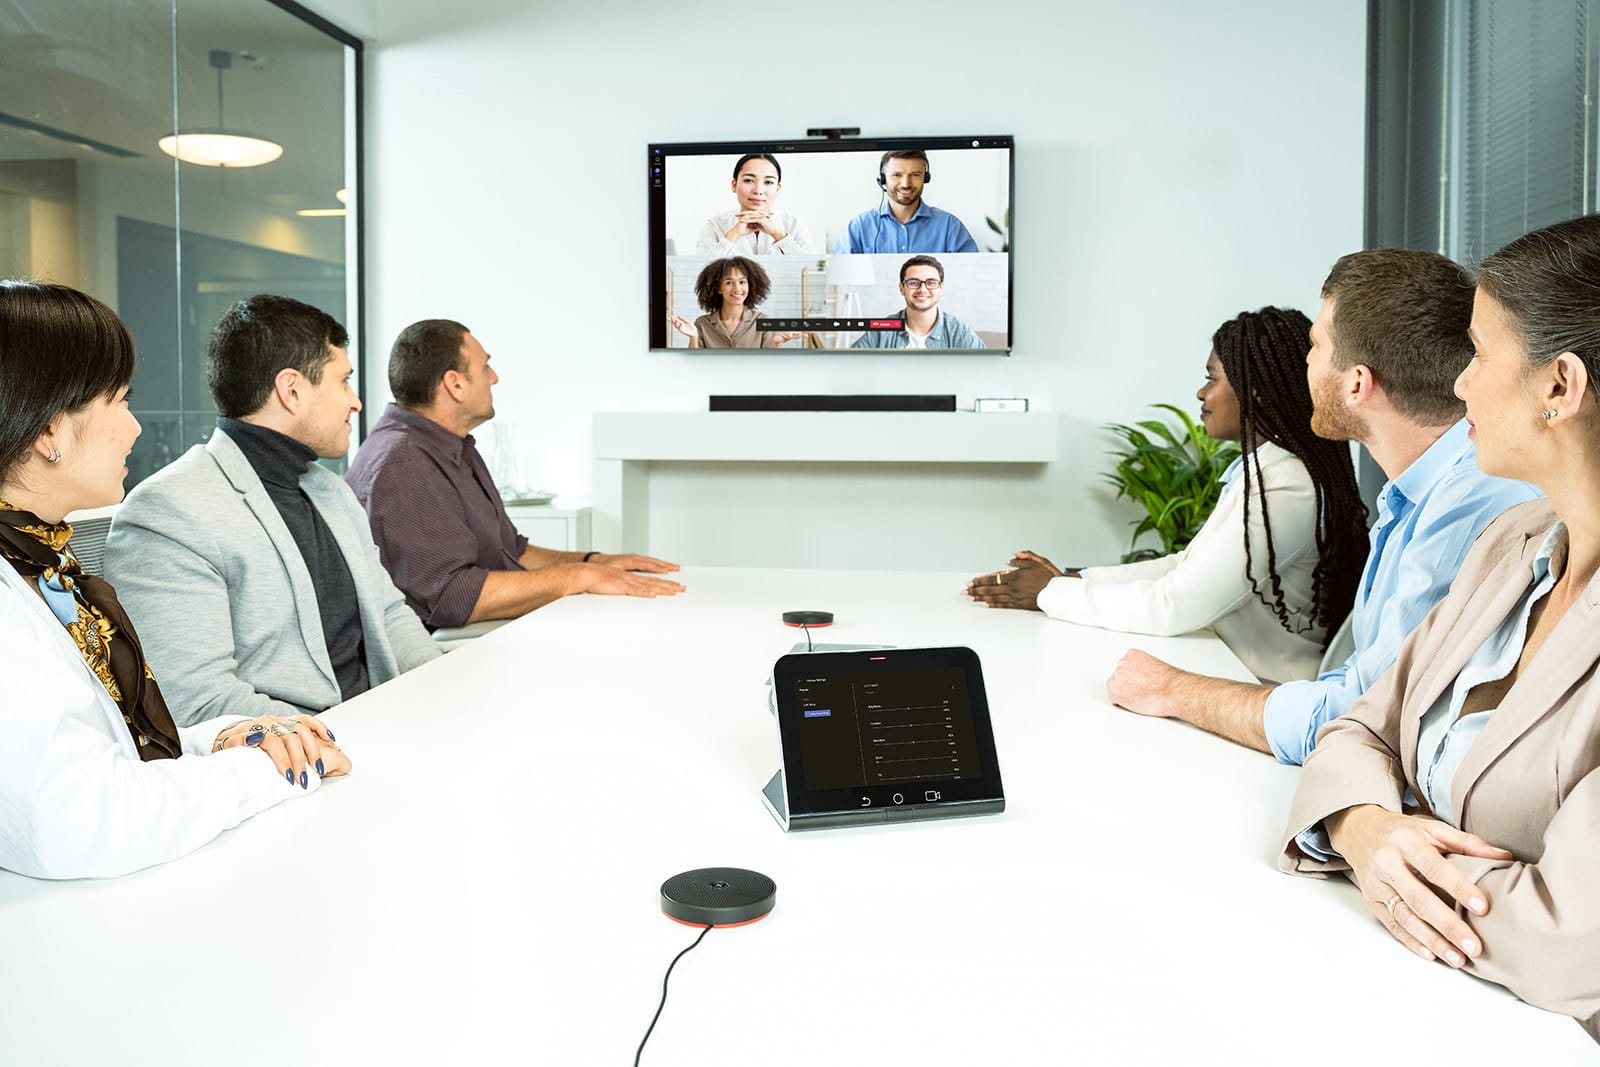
<point x="435" y="514"/>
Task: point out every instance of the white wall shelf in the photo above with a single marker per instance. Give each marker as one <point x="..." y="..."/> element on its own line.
<point x="627" y="443"/>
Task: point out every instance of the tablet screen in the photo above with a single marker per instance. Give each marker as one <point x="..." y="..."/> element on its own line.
<point x="884" y="728"/>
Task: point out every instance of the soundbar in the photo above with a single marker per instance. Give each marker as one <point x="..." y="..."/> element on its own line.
<point x="882" y="402"/>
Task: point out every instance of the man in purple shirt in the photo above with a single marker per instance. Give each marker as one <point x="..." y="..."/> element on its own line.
<point x="440" y="527"/>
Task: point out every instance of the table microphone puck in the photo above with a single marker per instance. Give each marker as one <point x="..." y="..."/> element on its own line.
<point x="808" y="618"/>
<point x="718" y="896"/>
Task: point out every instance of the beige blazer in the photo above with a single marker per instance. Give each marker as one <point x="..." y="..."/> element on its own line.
<point x="1528" y="784"/>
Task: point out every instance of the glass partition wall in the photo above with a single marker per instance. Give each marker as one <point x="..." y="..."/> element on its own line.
<point x="259" y="100"/>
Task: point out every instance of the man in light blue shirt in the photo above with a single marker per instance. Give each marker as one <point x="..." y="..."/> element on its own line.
<point x="1385" y="352"/>
<point x="920" y="324"/>
<point x="902" y="222"/>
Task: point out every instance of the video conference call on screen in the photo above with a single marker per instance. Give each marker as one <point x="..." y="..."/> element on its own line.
<point x="857" y="245"/>
<point x="888" y="729"/>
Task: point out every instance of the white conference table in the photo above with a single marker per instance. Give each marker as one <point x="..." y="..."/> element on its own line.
<point x="483" y="888"/>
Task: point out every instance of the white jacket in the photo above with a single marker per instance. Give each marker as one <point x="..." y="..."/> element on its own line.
<point x="1204" y="586"/>
<point x="75" y="799"/>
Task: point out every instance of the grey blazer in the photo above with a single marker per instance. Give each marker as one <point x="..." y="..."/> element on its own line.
<point x="211" y="576"/>
<point x="1530" y="783"/>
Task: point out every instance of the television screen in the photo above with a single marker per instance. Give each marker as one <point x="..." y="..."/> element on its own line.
<point x="852" y="245"/>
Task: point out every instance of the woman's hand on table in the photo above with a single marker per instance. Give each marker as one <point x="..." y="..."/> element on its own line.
<point x="299" y="746"/>
<point x="1408" y="884"/>
<point x="1018" y="588"/>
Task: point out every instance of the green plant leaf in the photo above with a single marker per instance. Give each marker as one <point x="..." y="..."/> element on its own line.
<point x="1174" y="474"/>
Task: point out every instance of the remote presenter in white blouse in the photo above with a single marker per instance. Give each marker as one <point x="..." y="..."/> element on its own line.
<point x="757" y="228"/>
<point x="1273" y="570"/>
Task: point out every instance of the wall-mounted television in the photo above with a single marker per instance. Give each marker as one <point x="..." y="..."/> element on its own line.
<point x="832" y="245"/>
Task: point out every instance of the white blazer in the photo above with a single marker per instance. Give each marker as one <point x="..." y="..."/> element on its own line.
<point x="1205" y="586"/>
<point x="75" y="799"/>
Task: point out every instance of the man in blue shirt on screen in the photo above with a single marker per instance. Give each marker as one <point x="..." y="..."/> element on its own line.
<point x="902" y="222"/>
<point x="1385" y="352"/>
<point x="920" y="324"/>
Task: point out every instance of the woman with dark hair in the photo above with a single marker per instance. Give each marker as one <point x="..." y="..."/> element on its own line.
<point x="730" y="290"/>
<point x="1461" y="792"/>
<point x="1273" y="570"/>
<point x="95" y="779"/>
<point x="756" y="228"/>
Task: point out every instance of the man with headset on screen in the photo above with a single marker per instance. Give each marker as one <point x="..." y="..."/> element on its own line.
<point x="920" y="323"/>
<point x="902" y="222"/>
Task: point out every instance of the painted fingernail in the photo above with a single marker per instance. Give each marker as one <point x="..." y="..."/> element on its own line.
<point x="320" y="771"/>
<point x="255" y="738"/>
<point x="1470" y="947"/>
<point x="302" y="779"/>
<point x="288" y="776"/>
<point x="1454" y="958"/>
<point x="1478" y="904"/>
<point x="331" y="737"/>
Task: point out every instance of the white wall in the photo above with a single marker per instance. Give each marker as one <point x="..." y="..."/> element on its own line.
<point x="1176" y="163"/>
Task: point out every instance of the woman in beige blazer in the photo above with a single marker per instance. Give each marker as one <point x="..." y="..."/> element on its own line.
<point x="1461" y="793"/>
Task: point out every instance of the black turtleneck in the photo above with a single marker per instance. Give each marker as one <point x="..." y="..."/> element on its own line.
<point x="279" y="461"/>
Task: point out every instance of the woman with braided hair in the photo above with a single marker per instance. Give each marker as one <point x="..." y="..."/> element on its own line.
<point x="1273" y="570"/>
<point x="96" y="779"/>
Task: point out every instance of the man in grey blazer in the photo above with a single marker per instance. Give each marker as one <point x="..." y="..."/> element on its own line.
<point x="249" y="567"/>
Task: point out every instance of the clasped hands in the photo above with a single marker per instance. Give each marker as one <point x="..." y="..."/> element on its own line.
<point x="296" y="745"/>
<point x="1018" y="587"/>
<point x="1406" y="881"/>
<point x="748" y="222"/>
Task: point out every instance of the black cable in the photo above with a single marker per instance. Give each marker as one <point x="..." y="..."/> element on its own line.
<point x="664" y="979"/>
<point x="807" y="630"/>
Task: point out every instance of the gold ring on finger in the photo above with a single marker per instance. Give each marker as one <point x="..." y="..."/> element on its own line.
<point x="1390" y="903"/>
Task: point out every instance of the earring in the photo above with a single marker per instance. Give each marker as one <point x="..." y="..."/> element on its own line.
<point x="1548" y="415"/>
<point x="54" y="456"/>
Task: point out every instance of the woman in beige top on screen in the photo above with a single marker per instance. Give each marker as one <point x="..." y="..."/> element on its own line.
<point x="1461" y="792"/>
<point x="1273" y="570"/>
<point x="730" y="290"/>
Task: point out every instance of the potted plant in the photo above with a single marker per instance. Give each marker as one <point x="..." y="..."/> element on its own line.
<point x="1176" y="477"/>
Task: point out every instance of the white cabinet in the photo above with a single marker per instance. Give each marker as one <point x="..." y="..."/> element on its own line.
<point x="562" y="524"/>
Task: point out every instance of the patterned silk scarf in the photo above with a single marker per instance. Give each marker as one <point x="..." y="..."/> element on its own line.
<point x="87" y="606"/>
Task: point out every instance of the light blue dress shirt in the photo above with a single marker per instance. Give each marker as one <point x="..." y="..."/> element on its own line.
<point x="1234" y="472"/>
<point x="948" y="332"/>
<point x="930" y="230"/>
<point x="1445" y="735"/>
<point x="1428" y="518"/>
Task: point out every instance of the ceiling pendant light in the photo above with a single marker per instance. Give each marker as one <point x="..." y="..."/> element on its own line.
<point x="219" y="146"/>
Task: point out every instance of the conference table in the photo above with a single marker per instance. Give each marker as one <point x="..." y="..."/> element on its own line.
<point x="483" y="888"/>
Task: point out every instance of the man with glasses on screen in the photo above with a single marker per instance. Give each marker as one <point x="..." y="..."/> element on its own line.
<point x="902" y="222"/>
<point x="920" y="324"/>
